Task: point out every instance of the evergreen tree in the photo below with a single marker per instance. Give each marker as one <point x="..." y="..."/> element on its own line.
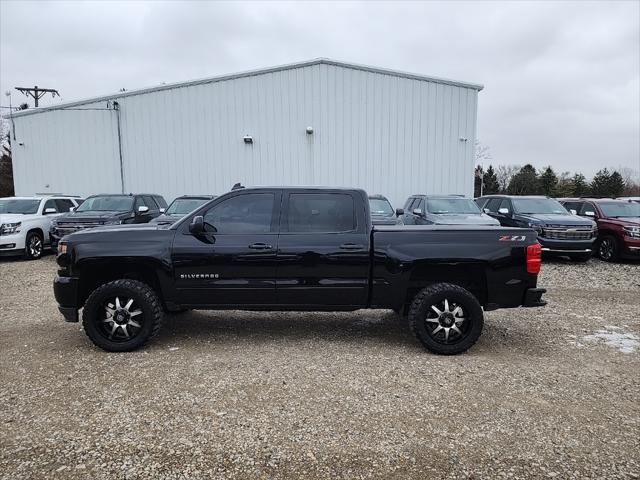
<point x="490" y="180"/>
<point x="477" y="181"/>
<point x="579" y="185"/>
<point x="601" y="183"/>
<point x="525" y="182"/>
<point x="548" y="182"/>
<point x="616" y="184"/>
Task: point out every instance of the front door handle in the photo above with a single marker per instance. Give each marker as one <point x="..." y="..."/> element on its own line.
<point x="260" y="246"/>
<point x="351" y="246"/>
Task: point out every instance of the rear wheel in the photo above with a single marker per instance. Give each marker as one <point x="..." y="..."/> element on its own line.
<point x="33" y="246"/>
<point x="122" y="315"/>
<point x="446" y="318"/>
<point x="608" y="249"/>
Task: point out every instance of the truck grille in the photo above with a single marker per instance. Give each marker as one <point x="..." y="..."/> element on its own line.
<point x="66" y="229"/>
<point x="567" y="232"/>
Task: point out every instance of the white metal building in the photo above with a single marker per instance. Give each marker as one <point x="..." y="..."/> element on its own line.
<point x="320" y="122"/>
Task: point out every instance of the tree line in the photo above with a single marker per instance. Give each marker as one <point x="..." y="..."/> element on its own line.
<point x="516" y="180"/>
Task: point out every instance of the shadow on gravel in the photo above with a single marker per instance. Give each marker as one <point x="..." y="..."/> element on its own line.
<point x="232" y="326"/>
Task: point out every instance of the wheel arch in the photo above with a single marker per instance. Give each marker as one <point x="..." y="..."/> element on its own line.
<point x="470" y="276"/>
<point x="97" y="272"/>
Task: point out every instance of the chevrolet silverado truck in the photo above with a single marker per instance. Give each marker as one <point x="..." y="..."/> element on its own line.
<point x="300" y="249"/>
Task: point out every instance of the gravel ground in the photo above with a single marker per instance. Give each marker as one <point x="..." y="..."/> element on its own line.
<point x="551" y="392"/>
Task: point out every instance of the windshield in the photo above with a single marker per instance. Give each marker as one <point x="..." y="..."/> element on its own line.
<point x="538" y="205"/>
<point x="182" y="206"/>
<point x="380" y="206"/>
<point x="620" y="209"/>
<point x="19" y="205"/>
<point x="106" y="203"/>
<point x="448" y="206"/>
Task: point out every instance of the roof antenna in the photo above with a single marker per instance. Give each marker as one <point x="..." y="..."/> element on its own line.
<point x="237" y="186"/>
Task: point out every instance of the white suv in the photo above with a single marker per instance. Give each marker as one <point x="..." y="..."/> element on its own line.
<point x="25" y="223"/>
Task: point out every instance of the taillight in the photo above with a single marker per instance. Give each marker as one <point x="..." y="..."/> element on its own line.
<point x="534" y="258"/>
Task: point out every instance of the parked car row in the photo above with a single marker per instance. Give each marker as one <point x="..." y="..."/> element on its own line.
<point x="570" y="227"/>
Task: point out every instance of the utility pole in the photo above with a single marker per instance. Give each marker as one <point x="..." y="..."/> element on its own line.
<point x="37" y="93"/>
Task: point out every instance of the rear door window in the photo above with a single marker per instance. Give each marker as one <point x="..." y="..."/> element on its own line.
<point x="320" y="212"/>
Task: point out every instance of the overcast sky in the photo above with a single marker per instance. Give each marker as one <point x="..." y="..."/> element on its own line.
<point x="562" y="79"/>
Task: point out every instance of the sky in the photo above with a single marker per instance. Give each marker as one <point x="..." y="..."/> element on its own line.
<point x="562" y="79"/>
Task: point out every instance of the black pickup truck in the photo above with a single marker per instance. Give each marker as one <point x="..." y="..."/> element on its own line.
<point x="294" y="249"/>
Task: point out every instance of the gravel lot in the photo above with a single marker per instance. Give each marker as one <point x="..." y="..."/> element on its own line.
<point x="552" y="392"/>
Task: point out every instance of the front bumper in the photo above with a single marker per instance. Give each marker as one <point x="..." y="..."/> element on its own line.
<point x="12" y="244"/>
<point x="533" y="297"/>
<point x="566" y="247"/>
<point x="631" y="247"/>
<point x="65" y="289"/>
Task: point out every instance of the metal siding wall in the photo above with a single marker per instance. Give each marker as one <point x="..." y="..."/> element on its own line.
<point x="71" y="151"/>
<point x="384" y="133"/>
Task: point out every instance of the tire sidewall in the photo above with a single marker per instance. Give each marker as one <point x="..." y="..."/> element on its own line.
<point x="94" y="306"/>
<point x="614" y="248"/>
<point x="27" y="242"/>
<point x="435" y="294"/>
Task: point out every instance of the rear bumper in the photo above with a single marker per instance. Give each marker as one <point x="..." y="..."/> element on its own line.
<point x="533" y="297"/>
<point x="65" y="289"/>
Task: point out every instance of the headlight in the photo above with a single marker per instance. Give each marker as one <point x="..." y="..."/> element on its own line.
<point x="632" y="231"/>
<point x="9" y="228"/>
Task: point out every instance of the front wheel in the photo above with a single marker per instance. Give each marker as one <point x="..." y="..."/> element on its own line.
<point x="122" y="315"/>
<point x="33" y="246"/>
<point x="446" y="318"/>
<point x="608" y="248"/>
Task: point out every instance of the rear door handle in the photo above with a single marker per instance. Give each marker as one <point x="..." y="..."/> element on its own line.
<point x="260" y="246"/>
<point x="351" y="246"/>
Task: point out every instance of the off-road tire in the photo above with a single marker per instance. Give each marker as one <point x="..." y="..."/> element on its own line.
<point x="434" y="294"/>
<point x="28" y="253"/>
<point x="144" y="296"/>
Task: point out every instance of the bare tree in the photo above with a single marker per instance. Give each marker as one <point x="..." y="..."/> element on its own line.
<point x="504" y="174"/>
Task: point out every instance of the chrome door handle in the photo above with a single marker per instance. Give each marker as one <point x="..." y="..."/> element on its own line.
<point x="351" y="246"/>
<point x="260" y="246"/>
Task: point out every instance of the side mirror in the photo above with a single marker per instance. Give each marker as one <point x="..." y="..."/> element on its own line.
<point x="196" y="227"/>
<point x="399" y="211"/>
<point x="503" y="211"/>
<point x="143" y="209"/>
<point x="49" y="211"/>
<point x="573" y="211"/>
<point x="590" y="213"/>
<point x="73" y="209"/>
<point x="162" y="210"/>
<point x="417" y="211"/>
<point x="486" y="210"/>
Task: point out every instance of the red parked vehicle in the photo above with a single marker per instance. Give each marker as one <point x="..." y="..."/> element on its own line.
<point x="618" y="225"/>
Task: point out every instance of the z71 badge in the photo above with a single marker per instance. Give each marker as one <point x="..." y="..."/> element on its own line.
<point x="513" y="238"/>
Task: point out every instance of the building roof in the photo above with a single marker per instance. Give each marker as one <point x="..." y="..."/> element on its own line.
<point x="249" y="73"/>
